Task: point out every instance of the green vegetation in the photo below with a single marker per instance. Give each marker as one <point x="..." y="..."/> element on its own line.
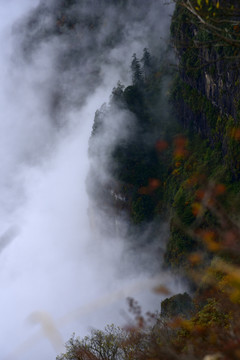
<point x="138" y="161"/>
<point x="182" y="165"/>
<point x="161" y="175"/>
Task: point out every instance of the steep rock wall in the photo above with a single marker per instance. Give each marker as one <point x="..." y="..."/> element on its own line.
<point x="207" y="62"/>
<point x="207" y="88"/>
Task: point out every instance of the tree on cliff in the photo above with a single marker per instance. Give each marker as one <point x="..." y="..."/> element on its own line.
<point x="137" y="75"/>
<point x="147" y="64"/>
<point x="221" y="19"/>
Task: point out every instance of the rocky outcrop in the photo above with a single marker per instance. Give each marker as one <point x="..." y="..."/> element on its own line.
<point x="177" y="305"/>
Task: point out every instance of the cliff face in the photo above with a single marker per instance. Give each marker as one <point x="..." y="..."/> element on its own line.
<point x="208" y="67"/>
<point x="206" y="98"/>
<point x="153" y="172"/>
<point x="206" y="90"/>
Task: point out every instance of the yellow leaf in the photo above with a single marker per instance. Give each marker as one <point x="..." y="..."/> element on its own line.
<point x="196" y="208"/>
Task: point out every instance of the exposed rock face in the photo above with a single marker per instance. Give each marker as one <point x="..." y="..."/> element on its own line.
<point x="206" y="90"/>
<point x="208" y="64"/>
<point x="177" y="305"/>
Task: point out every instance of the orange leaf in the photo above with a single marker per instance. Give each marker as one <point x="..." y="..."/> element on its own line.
<point x="161" y="145"/>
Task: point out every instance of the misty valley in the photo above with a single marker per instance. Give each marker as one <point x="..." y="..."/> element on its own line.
<point x="120" y="162"/>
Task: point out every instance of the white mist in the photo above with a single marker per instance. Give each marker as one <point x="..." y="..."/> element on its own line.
<point x="56" y="276"/>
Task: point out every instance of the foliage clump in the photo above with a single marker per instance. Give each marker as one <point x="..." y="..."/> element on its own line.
<point x="136" y="159"/>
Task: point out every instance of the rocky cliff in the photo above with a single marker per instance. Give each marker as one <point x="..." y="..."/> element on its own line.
<point x="206" y="92"/>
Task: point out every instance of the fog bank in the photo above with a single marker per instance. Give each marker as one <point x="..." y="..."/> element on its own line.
<point x="57" y="274"/>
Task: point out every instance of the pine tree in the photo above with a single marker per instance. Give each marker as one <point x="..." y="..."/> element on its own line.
<point x="117" y="94"/>
<point x="137" y="76"/>
<point x="147" y="64"/>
